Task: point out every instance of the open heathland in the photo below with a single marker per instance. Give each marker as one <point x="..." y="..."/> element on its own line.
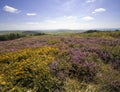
<point x="70" y="62"/>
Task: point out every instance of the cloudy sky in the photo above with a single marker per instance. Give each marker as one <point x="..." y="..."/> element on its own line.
<point x="59" y="14"/>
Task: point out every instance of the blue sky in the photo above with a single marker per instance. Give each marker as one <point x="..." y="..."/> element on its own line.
<point x="59" y="14"/>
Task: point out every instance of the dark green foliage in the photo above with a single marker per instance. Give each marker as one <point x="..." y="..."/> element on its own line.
<point x="32" y="33"/>
<point x="10" y="36"/>
<point x="37" y="34"/>
<point x="91" y="31"/>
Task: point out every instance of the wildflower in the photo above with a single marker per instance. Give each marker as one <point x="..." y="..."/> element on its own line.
<point x="3" y="83"/>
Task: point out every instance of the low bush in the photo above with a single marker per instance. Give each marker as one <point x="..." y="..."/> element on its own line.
<point x="27" y="69"/>
<point x="11" y="36"/>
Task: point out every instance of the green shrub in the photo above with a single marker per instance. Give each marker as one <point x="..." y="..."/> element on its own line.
<point x="11" y="36"/>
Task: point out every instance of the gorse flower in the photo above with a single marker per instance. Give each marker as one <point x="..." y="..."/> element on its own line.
<point x="24" y="67"/>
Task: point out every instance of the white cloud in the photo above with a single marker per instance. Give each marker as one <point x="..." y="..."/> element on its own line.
<point x="90" y="1"/>
<point x="31" y="14"/>
<point x="62" y="22"/>
<point x="65" y="22"/>
<point x="68" y="5"/>
<point x="88" y="18"/>
<point x="32" y="23"/>
<point x="99" y="10"/>
<point x="64" y="19"/>
<point x="10" y="9"/>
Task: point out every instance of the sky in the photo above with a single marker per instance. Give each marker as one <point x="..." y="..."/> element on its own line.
<point x="59" y="14"/>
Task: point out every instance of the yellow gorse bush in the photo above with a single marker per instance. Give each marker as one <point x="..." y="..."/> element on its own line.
<point x="28" y="67"/>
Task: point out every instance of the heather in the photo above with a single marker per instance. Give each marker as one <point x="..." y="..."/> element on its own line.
<point x="71" y="62"/>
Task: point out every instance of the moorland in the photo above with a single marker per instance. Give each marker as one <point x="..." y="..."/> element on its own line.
<point x="60" y="62"/>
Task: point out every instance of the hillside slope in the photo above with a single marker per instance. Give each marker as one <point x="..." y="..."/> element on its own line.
<point x="74" y="62"/>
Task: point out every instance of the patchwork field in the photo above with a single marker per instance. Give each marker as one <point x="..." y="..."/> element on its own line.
<point x="71" y="62"/>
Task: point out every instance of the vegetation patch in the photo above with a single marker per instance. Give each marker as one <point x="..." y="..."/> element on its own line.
<point x="78" y="62"/>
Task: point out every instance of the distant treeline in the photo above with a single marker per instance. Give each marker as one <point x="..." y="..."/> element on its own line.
<point x="33" y="33"/>
<point x="102" y="33"/>
<point x="12" y="36"/>
<point x="92" y="31"/>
